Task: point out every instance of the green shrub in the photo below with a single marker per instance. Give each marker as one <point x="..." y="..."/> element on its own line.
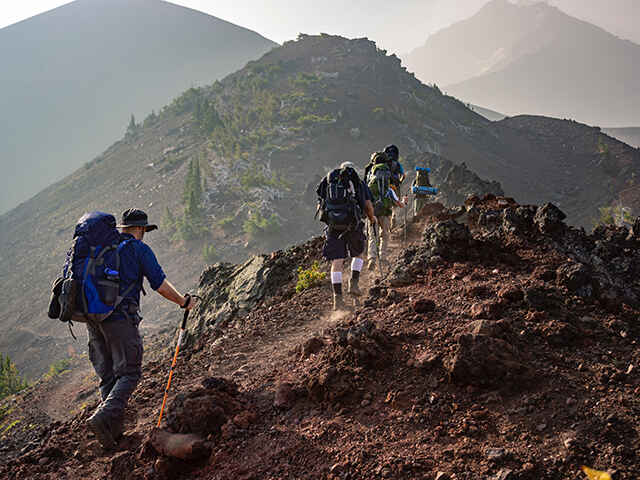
<point x="310" y="277"/>
<point x="257" y="225"/>
<point x="614" y="215"/>
<point x="56" y="368"/>
<point x="226" y="222"/>
<point x="209" y="253"/>
<point x="10" y="381"/>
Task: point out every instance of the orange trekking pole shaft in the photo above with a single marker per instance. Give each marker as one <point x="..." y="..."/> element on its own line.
<point x="173" y="364"/>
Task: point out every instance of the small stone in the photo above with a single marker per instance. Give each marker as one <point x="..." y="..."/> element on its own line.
<point x="503" y="474"/>
<point x="365" y="403"/>
<point x="312" y="346"/>
<point x="496" y="453"/>
<point x="43" y="461"/>
<point x="423" y="305"/>
<point x="569" y="442"/>
<point x="442" y="476"/>
<point x="162" y="466"/>
<point x="285" y="396"/>
<point x="630" y="369"/>
<point x="540" y="427"/>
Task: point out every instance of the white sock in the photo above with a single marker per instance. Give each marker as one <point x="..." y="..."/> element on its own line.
<point x="336" y="277"/>
<point x="356" y="264"/>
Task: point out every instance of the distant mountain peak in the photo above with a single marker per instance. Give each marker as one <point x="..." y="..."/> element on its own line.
<point x="523" y="57"/>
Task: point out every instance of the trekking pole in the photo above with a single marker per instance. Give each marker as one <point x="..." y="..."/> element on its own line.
<point x="175" y="360"/>
<point x="404" y="227"/>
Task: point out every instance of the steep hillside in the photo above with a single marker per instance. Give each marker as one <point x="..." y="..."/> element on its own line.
<point x="502" y="346"/>
<point x="532" y="58"/>
<point x="263" y="137"/>
<point x="73" y="76"/>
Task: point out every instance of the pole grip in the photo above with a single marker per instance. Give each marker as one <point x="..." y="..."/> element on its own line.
<point x="183" y="325"/>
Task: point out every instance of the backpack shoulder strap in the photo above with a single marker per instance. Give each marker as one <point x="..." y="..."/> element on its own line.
<point x="123" y="244"/>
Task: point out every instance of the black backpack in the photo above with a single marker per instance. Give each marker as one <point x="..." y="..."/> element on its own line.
<point x="340" y="209"/>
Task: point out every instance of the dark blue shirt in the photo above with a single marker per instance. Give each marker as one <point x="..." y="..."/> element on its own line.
<point x="368" y="195"/>
<point x="137" y="260"/>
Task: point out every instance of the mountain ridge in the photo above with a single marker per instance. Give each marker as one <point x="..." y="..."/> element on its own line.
<point x="263" y="137"/>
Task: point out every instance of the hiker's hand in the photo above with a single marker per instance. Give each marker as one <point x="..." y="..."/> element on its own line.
<point x="189" y="302"/>
<point x="192" y="303"/>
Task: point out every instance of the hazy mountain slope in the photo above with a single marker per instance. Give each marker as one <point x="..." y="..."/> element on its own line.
<point x="487" y="113"/>
<point x="264" y="136"/>
<point x="71" y="78"/>
<point x="535" y="59"/>
<point x="630" y="135"/>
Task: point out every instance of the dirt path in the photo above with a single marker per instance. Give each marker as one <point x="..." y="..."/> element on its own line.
<point x="242" y="358"/>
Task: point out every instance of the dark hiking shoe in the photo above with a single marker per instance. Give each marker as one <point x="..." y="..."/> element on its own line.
<point x="99" y="425"/>
<point x="354" y="289"/>
<point x="338" y="303"/>
<point x="117" y="429"/>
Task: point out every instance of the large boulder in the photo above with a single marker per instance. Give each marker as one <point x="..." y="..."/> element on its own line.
<point x="549" y="219"/>
<point x="518" y="220"/>
<point x="484" y="360"/>
<point x="577" y="278"/>
<point x="448" y="239"/>
<point x="205" y="410"/>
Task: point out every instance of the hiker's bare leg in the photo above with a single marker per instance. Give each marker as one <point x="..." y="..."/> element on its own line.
<point x="336" y="283"/>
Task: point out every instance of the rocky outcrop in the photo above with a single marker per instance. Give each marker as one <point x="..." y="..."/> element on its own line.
<point x="603" y="266"/>
<point x="230" y="291"/>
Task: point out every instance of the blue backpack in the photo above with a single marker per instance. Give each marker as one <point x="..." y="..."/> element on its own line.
<point x="89" y="289"/>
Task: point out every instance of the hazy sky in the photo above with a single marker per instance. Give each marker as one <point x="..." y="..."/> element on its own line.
<point x="398" y="25"/>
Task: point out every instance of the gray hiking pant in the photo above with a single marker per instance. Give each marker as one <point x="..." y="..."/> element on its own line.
<point x="418" y="204"/>
<point x="115" y="350"/>
<point x="383" y="239"/>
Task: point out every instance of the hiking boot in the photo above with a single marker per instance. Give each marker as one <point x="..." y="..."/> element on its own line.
<point x="117" y="429"/>
<point x="354" y="289"/>
<point x="338" y="303"/>
<point x="100" y="427"/>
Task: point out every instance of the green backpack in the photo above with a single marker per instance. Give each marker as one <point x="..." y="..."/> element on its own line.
<point x="379" y="182"/>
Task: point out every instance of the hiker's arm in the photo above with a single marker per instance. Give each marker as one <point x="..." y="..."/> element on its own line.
<point x="368" y="209"/>
<point x="169" y="292"/>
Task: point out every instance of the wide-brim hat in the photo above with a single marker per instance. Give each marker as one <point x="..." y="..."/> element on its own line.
<point x="135" y="217"/>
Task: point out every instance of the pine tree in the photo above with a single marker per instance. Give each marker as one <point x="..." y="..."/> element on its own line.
<point x="10" y="381"/>
<point x="168" y="221"/>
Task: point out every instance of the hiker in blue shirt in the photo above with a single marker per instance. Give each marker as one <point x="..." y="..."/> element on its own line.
<point x="115" y="346"/>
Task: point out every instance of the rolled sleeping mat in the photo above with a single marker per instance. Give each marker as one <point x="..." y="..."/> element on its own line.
<point x="423" y="169"/>
<point x="416" y="189"/>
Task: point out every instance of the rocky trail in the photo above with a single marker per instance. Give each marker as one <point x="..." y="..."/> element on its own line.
<point x="502" y="345"/>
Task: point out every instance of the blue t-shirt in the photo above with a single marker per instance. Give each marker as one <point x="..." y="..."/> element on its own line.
<point x="137" y="260"/>
<point x="368" y="195"/>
